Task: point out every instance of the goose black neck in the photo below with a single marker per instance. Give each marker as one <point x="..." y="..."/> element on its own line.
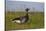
<point x="27" y="9"/>
<point x="26" y="13"/>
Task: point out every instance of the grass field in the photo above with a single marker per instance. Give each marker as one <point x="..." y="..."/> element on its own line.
<point x="36" y="21"/>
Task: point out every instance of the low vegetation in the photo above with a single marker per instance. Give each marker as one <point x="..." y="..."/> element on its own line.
<point x="36" y="20"/>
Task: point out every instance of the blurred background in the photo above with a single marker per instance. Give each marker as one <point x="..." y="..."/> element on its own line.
<point x="17" y="8"/>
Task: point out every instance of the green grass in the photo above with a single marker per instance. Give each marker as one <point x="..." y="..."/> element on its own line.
<point x="36" y="21"/>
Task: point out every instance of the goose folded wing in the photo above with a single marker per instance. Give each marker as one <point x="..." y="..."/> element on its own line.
<point x="16" y="19"/>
